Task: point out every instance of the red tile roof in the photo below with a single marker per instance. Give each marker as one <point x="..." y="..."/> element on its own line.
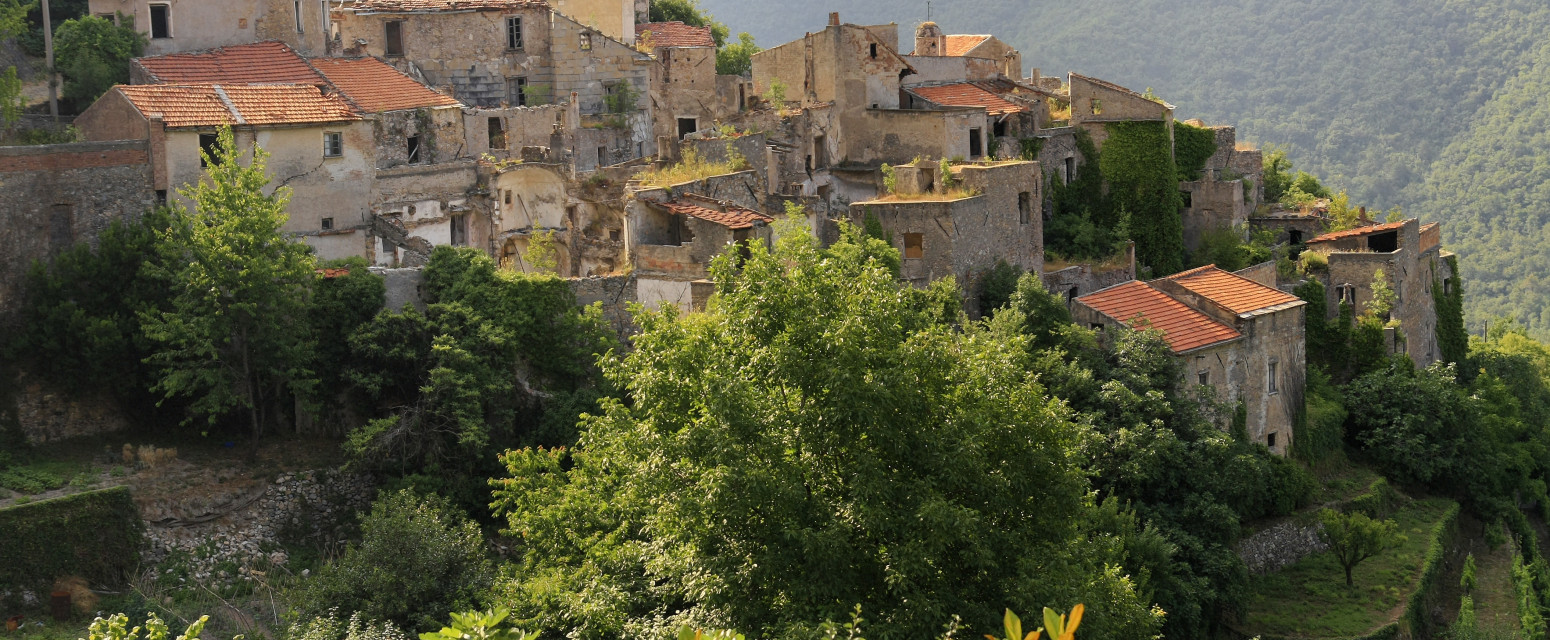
<point x="966" y="94"/>
<point x="270" y="62"/>
<point x="674" y="34"/>
<point x="1359" y="231"/>
<point x="1184" y="328"/>
<point x="416" y="6"/>
<point x="960" y="44"/>
<point x="732" y="218"/>
<point x="211" y="105"/>
<point x="374" y="86"/>
<point x="1237" y="293"/>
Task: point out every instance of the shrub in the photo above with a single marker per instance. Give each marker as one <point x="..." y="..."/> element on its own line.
<point x="418" y="560"/>
<point x="1467" y="576"/>
<point x="330" y="627"/>
<point x="997" y="285"/>
<point x="93" y="54"/>
<point x="95" y="535"/>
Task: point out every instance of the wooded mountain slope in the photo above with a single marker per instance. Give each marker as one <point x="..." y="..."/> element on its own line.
<point x="1437" y="106"/>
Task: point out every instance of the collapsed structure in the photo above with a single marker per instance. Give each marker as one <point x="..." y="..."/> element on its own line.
<point x="523" y="126"/>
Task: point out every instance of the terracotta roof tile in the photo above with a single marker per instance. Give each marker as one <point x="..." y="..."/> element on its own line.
<point x="966" y="94"/>
<point x="1359" y="231"/>
<point x="268" y="62"/>
<point x="958" y="45"/>
<point x="1184" y="328"/>
<point x="675" y="34"/>
<point x="732" y="217"/>
<point x="209" y="105"/>
<point x="1237" y="293"/>
<point x="416" y="6"/>
<point x="374" y="86"/>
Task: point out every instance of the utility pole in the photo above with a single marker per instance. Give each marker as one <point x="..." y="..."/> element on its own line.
<point x="48" y="55"/>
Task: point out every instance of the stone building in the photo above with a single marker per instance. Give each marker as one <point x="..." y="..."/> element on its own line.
<point x="931" y="42"/>
<point x="686" y="93"/>
<point x="172" y="26"/>
<point x="1095" y="103"/>
<point x="993" y="213"/>
<point x="1411" y="260"/>
<point x="1238" y="342"/>
<point x="1229" y="190"/>
<point x="676" y="232"/>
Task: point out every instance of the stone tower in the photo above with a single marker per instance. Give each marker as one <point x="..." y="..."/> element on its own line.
<point x="929" y="40"/>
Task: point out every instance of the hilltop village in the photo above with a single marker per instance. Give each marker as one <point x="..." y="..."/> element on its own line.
<point x="573" y="136"/>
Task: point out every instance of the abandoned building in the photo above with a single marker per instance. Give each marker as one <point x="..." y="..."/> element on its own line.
<point x="172" y="26"/>
<point x="1240" y="341"/>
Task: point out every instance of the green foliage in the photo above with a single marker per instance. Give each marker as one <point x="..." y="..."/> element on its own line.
<point x="1378" y="502"/>
<point x="1320" y="428"/>
<point x="81" y="326"/>
<point x="1029" y="148"/>
<point x="93" y="54"/>
<point x="418" y="560"/>
<point x="1383" y="297"/>
<point x="890" y="178"/>
<point x="955" y="492"/>
<point x="1531" y="618"/>
<point x="1137" y="164"/>
<point x="339" y="306"/>
<point x="229" y="339"/>
<point x="543" y="253"/>
<point x="116" y="627"/>
<point x="1277" y="174"/>
<point x="330" y="627"/>
<point x="1452" y="336"/>
<point x="93" y="534"/>
<point x="776" y="94"/>
<point x="623" y="99"/>
<point x="945" y="175"/>
<point x="1467" y="575"/>
<point x="1225" y="247"/>
<point x="11" y="100"/>
<point x="1192" y="146"/>
<point x="737" y="59"/>
<point x="1354" y="537"/>
<point x="480" y="625"/>
<point x="997" y="285"/>
<point x="1083" y="224"/>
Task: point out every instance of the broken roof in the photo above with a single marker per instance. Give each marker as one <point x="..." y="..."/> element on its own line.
<point x="210" y="105"/>
<point x="1114" y="87"/>
<point x="437" y="6"/>
<point x="966" y="94"/>
<point x="1359" y="231"/>
<point x="675" y="34"/>
<point x="375" y="86"/>
<point x="1184" y="329"/>
<point x="730" y="216"/>
<point x="1237" y="293"/>
<point x="268" y="62"/>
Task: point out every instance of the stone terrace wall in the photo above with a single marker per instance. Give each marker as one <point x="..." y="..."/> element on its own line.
<point x="57" y="195"/>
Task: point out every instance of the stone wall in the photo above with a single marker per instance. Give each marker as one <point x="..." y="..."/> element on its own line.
<point x="461" y="51"/>
<point x="589" y="72"/>
<point x="404" y="287"/>
<point x="615" y="293"/>
<point x="1079" y="280"/>
<point x="1280" y="546"/>
<point x="1263" y="273"/>
<point x="48" y="416"/>
<point x="198" y="24"/>
<point x="57" y="195"/>
<point x="1213" y="204"/>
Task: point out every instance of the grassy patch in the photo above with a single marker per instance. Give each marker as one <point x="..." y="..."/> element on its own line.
<point x="1496" y="605"/>
<point x="1310" y="598"/>
<point x="691" y="169"/>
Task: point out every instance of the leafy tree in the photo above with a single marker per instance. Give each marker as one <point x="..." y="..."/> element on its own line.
<point x="1467" y="576"/>
<point x="11" y="100"/>
<point x="229" y="339"/>
<point x="116" y="627"/>
<point x="418" y="560"/>
<point x="1277" y="174"/>
<point x="93" y="54"/>
<point x="737" y="59"/>
<point x="817" y="419"/>
<point x="1354" y="537"/>
<point x="480" y="625"/>
<point x="349" y="296"/>
<point x="997" y="285"/>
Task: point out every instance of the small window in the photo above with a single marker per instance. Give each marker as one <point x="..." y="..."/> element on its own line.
<point x="333" y="144"/>
<point x="1188" y="198"/>
<point x="975" y="144"/>
<point x="508" y="196"/>
<point x="998" y="129"/>
<point x="497" y="133"/>
<point x="1270" y="440"/>
<point x="874" y="50"/>
<point x="1024" y="207"/>
<point x="820" y="151"/>
<point x="395" y="38"/>
<point x="586" y="41"/>
<point x="328" y="224"/>
<point x="1271" y="379"/>
<point x="1097" y="107"/>
<point x="514" y="33"/>
<point x="1204" y="377"/>
<point x="516" y="92"/>
<point x="161" y="197"/>
<point x="1070" y="169"/>
<point x="914" y="245"/>
<point x="414" y="149"/>
<point x="161" y="21"/>
<point x="297" y="5"/>
<point x="1447" y="287"/>
<point x="1095" y="326"/>
<point x="602" y="156"/>
<point x="209" y="145"/>
<point x="1071" y="295"/>
<point x="459" y="231"/>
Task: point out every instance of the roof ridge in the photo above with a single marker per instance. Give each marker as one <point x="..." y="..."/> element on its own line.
<point x="230" y="106"/>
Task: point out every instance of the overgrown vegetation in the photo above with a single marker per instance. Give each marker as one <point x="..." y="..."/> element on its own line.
<point x="95" y="534"/>
<point x="93" y="54"/>
<point x="693" y="167"/>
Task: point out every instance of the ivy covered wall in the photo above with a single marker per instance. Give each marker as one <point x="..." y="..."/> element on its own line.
<point x="1143" y="186"/>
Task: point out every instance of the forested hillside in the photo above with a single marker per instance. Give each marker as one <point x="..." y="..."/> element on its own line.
<point x="1436" y="106"/>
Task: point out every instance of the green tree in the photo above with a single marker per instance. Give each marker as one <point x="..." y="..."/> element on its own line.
<point x="13" y="21"/>
<point x="997" y="285"/>
<point x="418" y="560"/>
<point x="347" y="297"/>
<point x="93" y="54"/>
<point x="737" y="59"/>
<point x="230" y="339"/>
<point x="1354" y="537"/>
<point x="817" y="419"/>
<point x="1277" y="174"/>
<point x="1137" y="165"/>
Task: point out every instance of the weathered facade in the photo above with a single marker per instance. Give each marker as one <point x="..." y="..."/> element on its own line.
<point x="172" y="26"/>
<point x="1411" y="260"/>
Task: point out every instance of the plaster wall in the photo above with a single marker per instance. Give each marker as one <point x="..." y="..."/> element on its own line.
<point x="589" y="72"/>
<point x="1213" y="205"/>
<point x="202" y="24"/>
<point x="897" y="137"/>
<point x="615" y="18"/>
<point x="653" y="293"/>
<point x="1094" y="103"/>
<point x="522" y="127"/>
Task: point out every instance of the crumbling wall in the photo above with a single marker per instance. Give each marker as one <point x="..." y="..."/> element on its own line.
<point x="1095" y="102"/>
<point x="204" y="25"/>
<point x="615" y="293"/>
<point x="57" y="195"/>
<point x="590" y="72"/>
<point x="1213" y="204"/>
<point x="440" y="131"/>
<point x="48" y="416"/>
<point x="521" y="126"/>
<point x="897" y="137"/>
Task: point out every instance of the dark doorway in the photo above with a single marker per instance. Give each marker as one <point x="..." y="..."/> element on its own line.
<point x="395" y="38"/>
<point x="976" y="146"/>
<point x="687" y="126"/>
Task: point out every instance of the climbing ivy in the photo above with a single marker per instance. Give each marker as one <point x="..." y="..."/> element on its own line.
<point x="1192" y="146"/>
<point x="1137" y="163"/>
<point x="1452" y="337"/>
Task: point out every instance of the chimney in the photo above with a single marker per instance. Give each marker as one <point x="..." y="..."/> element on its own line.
<point x="834" y="19"/>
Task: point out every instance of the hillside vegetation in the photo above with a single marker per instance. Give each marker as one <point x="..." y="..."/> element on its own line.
<point x="1436" y="106"/>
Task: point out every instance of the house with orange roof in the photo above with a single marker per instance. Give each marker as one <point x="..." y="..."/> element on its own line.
<point x="675" y="233"/>
<point x="686" y="93"/>
<point x="1405" y="255"/>
<point x="173" y="26"/>
<point x="320" y="146"/>
<point x="1238" y="342"/>
<point x="931" y="42"/>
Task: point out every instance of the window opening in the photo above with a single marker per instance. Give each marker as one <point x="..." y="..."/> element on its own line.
<point x="1097" y="106"/>
<point x="874" y="51"/>
<point x="820" y="151"/>
<point x="514" y="33"/>
<point x="999" y="129"/>
<point x="1270" y="440"/>
<point x="1024" y="207"/>
<point x="328" y="224"/>
<point x="1205" y="377"/>
<point x="497" y="133"/>
<point x="914" y="245"/>
<point x="395" y="38"/>
<point x="586" y="41"/>
<point x="975" y="144"/>
<point x="333" y="144"/>
<point x="297" y="5"/>
<point x="460" y="231"/>
<point x="687" y="126"/>
<point x="1070" y="169"/>
<point x="414" y="149"/>
<point x="602" y="156"/>
<point x="516" y="91"/>
<point x="1188" y="197"/>
<point x="209" y="143"/>
<point x="161" y="21"/>
<point x="1271" y="382"/>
